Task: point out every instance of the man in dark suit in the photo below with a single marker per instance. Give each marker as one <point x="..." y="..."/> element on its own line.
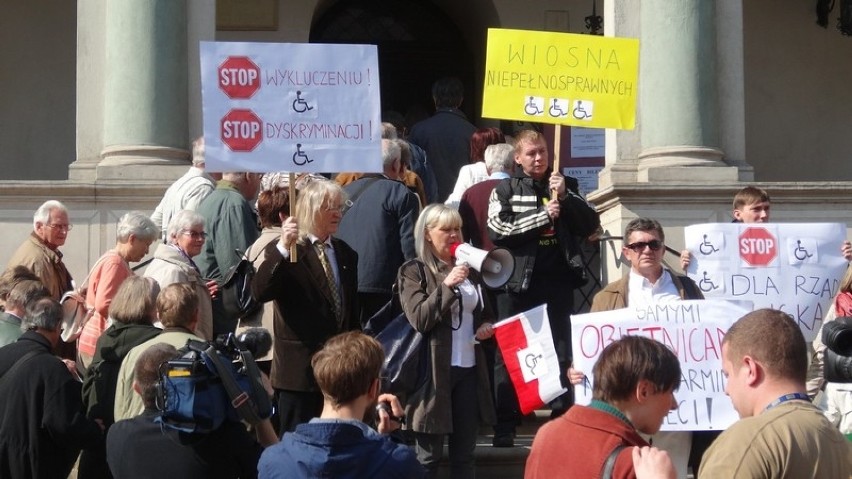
<point x="446" y="135"/>
<point x="380" y="226"/>
<point x="315" y="297"/>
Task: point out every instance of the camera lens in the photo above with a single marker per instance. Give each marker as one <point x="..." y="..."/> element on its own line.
<point x="837" y="336"/>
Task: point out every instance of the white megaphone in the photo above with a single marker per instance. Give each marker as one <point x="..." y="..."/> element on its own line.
<point x="495" y="266"/>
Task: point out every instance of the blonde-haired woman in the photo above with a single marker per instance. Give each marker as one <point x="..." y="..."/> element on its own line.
<point x="449" y="310"/>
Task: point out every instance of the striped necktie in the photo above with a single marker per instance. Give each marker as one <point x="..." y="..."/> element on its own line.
<point x="329" y="274"/>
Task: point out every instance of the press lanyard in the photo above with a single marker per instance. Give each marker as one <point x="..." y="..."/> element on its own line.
<point x="788" y="397"/>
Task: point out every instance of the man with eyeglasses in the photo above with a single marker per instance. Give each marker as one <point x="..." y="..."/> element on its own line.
<point x="40" y="251"/>
<point x="648" y="282"/>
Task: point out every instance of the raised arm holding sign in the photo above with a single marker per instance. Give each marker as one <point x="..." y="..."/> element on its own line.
<point x="299" y="108"/>
<point x="792" y="267"/>
<point x="646" y="284"/>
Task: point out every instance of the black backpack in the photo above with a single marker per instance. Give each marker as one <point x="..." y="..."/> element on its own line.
<point x="237" y="300"/>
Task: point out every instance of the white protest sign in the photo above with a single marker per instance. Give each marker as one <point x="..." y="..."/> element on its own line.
<point x="291" y="107"/>
<point x="693" y="330"/>
<point x="792" y="267"/>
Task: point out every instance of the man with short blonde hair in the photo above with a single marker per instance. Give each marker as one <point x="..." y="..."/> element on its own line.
<point x="538" y="215"/>
<point x="780" y="433"/>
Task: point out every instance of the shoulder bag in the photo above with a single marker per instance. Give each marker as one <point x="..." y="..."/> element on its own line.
<point x="406" y="366"/>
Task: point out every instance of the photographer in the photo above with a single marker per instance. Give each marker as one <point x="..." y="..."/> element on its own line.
<point x="838" y="390"/>
<point x="825" y="371"/>
<point x="831" y="366"/>
<point x="141" y="447"/>
<point x="338" y="443"/>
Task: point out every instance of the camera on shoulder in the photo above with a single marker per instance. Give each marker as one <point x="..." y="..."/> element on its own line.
<point x="210" y="383"/>
<point x="837" y="337"/>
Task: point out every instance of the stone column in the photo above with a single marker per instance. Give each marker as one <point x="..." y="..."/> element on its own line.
<point x="145" y="90"/>
<point x="678" y="92"/>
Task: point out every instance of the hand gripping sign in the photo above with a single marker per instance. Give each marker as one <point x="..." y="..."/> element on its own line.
<point x="693" y="330"/>
<point x="792" y="267"/>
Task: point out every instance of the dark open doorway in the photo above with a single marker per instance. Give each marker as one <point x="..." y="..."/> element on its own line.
<point x="417" y="44"/>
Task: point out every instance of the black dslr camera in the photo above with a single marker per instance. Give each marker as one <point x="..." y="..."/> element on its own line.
<point x="209" y="383"/>
<point x="837" y="337"/>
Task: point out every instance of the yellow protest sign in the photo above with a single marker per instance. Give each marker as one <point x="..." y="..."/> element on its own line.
<point x="561" y="78"/>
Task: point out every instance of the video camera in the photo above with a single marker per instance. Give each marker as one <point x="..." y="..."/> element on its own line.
<point x="211" y="382"/>
<point x="837" y="337"/>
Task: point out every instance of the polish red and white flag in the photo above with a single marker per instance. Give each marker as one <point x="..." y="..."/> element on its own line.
<point x="530" y="356"/>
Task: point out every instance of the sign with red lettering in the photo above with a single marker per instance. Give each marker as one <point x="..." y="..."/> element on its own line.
<point x="241" y="130"/>
<point x="693" y="330"/>
<point x="795" y="268"/>
<point x="758" y="247"/>
<point x="291" y="107"/>
<point x="239" y="77"/>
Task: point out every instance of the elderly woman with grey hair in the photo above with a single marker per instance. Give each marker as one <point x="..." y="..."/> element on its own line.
<point x="134" y="234"/>
<point x="173" y="264"/>
<point x="133" y="312"/>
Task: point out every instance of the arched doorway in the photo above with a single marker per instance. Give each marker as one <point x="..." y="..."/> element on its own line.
<point x="417" y="44"/>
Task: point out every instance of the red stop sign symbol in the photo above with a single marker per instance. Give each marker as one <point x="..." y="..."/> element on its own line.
<point x="239" y="77"/>
<point x="758" y="247"/>
<point x="241" y="130"/>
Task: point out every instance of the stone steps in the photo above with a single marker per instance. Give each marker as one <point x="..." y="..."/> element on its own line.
<point x="503" y="462"/>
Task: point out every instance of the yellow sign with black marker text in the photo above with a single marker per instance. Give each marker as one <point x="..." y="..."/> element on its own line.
<point x="561" y="78"/>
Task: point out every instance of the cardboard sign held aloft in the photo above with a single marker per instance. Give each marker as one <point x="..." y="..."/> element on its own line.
<point x="561" y="78"/>
<point x="291" y="107"/>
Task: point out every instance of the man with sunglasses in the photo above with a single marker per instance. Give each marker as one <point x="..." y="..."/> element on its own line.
<point x="648" y="282"/>
<point x="644" y="247"/>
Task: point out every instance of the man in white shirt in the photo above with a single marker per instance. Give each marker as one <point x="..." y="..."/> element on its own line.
<point x="648" y="282"/>
<point x="187" y="191"/>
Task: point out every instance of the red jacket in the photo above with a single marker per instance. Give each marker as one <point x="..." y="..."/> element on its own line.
<point x="843" y="304"/>
<point x="578" y="443"/>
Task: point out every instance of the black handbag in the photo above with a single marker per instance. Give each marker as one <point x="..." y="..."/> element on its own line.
<point x="406" y="366"/>
<point x="237" y="300"/>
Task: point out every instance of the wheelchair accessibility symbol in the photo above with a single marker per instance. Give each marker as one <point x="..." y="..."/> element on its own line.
<point x="801" y="253"/>
<point x="706" y="284"/>
<point x="558" y="108"/>
<point x="532" y="361"/>
<point x="300" y="105"/>
<point x="583" y="111"/>
<point x="299" y="157"/>
<point x="706" y="247"/>
<point x="535" y="106"/>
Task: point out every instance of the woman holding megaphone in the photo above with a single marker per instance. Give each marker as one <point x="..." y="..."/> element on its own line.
<point x="450" y="312"/>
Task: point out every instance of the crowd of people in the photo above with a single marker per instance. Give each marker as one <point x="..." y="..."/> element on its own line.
<point x="324" y="262"/>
